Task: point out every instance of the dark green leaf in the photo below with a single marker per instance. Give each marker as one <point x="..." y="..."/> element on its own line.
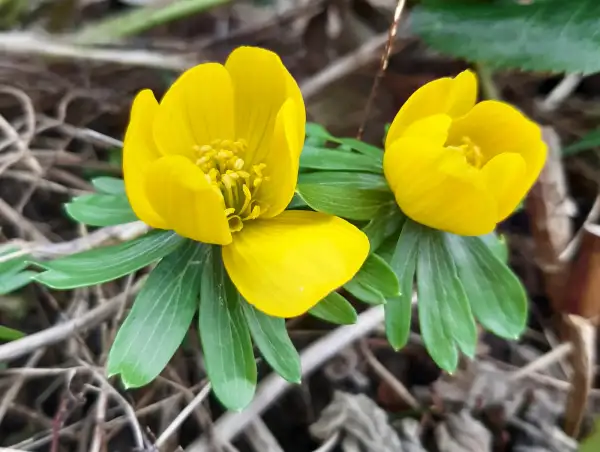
<point x="109" y="185"/>
<point x="386" y="222"/>
<point x="336" y="160"/>
<point x="296" y="203"/>
<point x="101" y="210"/>
<point x="374" y="281"/>
<point x="226" y="341"/>
<point x="271" y="338"/>
<point x="496" y="295"/>
<point x="366" y="149"/>
<point x="587" y="142"/>
<point x="111" y="262"/>
<point x="8" y="334"/>
<point x="398" y="310"/>
<point x="160" y="317"/>
<point x="346" y="202"/>
<point x="335" y="309"/>
<point x="543" y="36"/>
<point x="444" y="313"/>
<point x="366" y="181"/>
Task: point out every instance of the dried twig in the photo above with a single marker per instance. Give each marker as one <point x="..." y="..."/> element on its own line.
<point x="231" y="424"/>
<point x="543" y="361"/>
<point x="561" y="92"/>
<point x="31" y="44"/>
<point x="384" y="63"/>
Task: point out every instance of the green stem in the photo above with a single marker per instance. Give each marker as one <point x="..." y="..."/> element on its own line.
<point x="138" y="20"/>
<point x="488" y="86"/>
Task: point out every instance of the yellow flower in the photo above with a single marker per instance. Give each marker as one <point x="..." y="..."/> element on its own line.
<point x="459" y="166"/>
<point x="217" y="161"/>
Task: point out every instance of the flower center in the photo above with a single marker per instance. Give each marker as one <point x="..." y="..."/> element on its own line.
<point x="223" y="166"/>
<point x="471" y="151"/>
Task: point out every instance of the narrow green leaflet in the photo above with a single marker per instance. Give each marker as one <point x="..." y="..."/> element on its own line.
<point x="271" y="338"/>
<point x="9" y="334"/>
<point x="344" y="201"/>
<point x="386" y="222"/>
<point x="160" y="318"/>
<point x="101" y="210"/>
<point x="13" y="275"/>
<point x="9" y="282"/>
<point x="314" y="130"/>
<point x="335" y="309"/>
<point x="444" y="313"/>
<point x="496" y="295"/>
<point x="374" y="282"/>
<point x="337" y="160"/>
<point x="552" y="35"/>
<point x="296" y="203"/>
<point x="366" y="181"/>
<point x="589" y="141"/>
<point x="364" y="148"/>
<point x="111" y="262"/>
<point x="398" y="310"/>
<point x="109" y="185"/>
<point x="225" y="336"/>
<point x="497" y="244"/>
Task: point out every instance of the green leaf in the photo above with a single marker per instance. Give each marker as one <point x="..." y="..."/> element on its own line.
<point x="271" y="338"/>
<point x="110" y="262"/>
<point x="109" y="185"/>
<point x="101" y="210"/>
<point x="364" y="181"/>
<point x="543" y="36"/>
<point x="9" y="282"/>
<point x="589" y="141"/>
<point x="398" y="310"/>
<point x="225" y="336"/>
<point x="374" y="281"/>
<point x="9" y="334"/>
<point x="314" y="130"/>
<point x="335" y="309"/>
<point x="386" y="222"/>
<point x="296" y="203"/>
<point x="497" y="244"/>
<point x="344" y="201"/>
<point x="337" y="160"/>
<point x="160" y="317"/>
<point x="496" y="295"/>
<point x="366" y="149"/>
<point x="444" y="313"/>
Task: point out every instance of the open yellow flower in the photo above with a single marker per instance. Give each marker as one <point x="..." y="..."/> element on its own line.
<point x="459" y="166"/>
<point x="217" y="161"/>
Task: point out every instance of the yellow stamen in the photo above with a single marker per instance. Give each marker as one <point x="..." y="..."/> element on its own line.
<point x="224" y="167"/>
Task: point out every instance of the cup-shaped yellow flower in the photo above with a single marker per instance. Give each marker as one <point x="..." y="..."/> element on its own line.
<point x="459" y="166"/>
<point x="217" y="162"/>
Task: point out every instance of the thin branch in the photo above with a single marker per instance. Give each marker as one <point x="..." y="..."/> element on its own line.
<point x="384" y="64"/>
<point x="181" y="417"/>
<point x="561" y="92"/>
<point x="31" y="44"/>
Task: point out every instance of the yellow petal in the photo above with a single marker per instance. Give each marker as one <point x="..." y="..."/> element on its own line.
<point x="505" y="178"/>
<point x="293" y="92"/>
<point x="139" y="151"/>
<point x="197" y="109"/>
<point x="282" y="162"/>
<point x="434" y="129"/>
<point x="260" y="84"/>
<point x="179" y="192"/>
<point x="496" y="128"/>
<point x="286" y="265"/>
<point x="449" y="96"/>
<point x="436" y="187"/>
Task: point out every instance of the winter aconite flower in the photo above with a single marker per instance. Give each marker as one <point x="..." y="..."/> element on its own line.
<point x="217" y="162"/>
<point x="459" y="166"/>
